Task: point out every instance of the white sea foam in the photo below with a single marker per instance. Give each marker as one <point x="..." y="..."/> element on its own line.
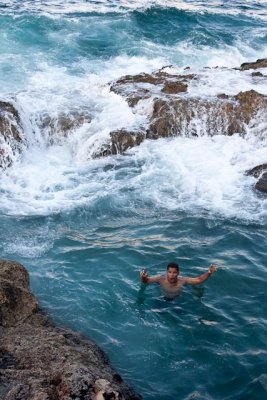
<point x="198" y="175"/>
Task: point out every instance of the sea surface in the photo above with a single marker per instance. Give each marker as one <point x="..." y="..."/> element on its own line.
<point x="85" y="227"/>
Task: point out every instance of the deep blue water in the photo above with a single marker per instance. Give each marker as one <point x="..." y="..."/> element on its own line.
<point x="84" y="228"/>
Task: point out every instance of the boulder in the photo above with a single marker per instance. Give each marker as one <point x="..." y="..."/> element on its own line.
<point x="39" y="361"/>
<point x="12" y="139"/>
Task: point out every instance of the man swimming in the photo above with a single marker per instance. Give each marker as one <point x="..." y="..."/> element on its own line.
<point x="171" y="283"/>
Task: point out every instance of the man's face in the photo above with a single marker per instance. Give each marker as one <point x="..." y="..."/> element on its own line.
<point x="172" y="274"/>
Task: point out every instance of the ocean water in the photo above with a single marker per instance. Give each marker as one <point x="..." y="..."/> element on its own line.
<point x="85" y="227"/>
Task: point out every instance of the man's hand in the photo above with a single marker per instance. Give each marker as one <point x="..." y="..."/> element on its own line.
<point x="212" y="269"/>
<point x="144" y="275"/>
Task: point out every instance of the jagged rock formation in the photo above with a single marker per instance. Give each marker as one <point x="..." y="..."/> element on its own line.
<point x="41" y="362"/>
<point x="173" y="113"/>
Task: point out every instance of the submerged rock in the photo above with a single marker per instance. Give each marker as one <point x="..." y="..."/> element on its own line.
<point x="11" y="134"/>
<point x="41" y="362"/>
<point x="257" y="171"/>
<point x="260" y="171"/>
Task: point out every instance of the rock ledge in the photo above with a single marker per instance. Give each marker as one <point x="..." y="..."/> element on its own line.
<point x="39" y="361"/>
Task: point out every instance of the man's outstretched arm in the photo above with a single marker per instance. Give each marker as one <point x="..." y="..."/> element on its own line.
<point x="201" y="278"/>
<point x="146" y="279"/>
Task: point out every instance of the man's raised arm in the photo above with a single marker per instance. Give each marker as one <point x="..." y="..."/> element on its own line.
<point x="201" y="278"/>
<point x="146" y="279"/>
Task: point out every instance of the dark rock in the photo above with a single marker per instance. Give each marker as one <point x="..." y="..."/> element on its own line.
<point x="260" y="171"/>
<point x="261" y="185"/>
<point x="11" y="134"/>
<point x="257" y="171"/>
<point x="261" y="63"/>
<point x="121" y="141"/>
<point x="39" y="361"/>
<point x="258" y="73"/>
<point x="223" y="96"/>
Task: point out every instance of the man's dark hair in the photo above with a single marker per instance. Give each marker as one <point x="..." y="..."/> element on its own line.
<point x="173" y="265"/>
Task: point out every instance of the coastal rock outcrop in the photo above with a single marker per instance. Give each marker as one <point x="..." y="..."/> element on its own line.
<point x="176" y="114"/>
<point x="39" y="361"/>
<point x="171" y="110"/>
<point x="11" y="134"/>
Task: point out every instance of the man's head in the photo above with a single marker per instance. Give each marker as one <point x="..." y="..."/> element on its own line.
<point x="172" y="272"/>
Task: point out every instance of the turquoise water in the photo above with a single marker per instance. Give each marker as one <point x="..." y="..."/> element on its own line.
<point x="84" y="228"/>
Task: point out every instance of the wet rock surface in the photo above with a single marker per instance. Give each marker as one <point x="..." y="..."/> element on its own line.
<point x="120" y="141"/>
<point x="261" y="63"/>
<point x="170" y="110"/>
<point x="60" y="125"/>
<point x="261" y="184"/>
<point x="175" y="113"/>
<point x="12" y="139"/>
<point x="260" y="171"/>
<point x="223" y="115"/>
<point x="143" y="86"/>
<point x="39" y="361"/>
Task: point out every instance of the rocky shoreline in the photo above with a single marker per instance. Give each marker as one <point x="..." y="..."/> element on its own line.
<point x="173" y="113"/>
<point x="39" y="361"/>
